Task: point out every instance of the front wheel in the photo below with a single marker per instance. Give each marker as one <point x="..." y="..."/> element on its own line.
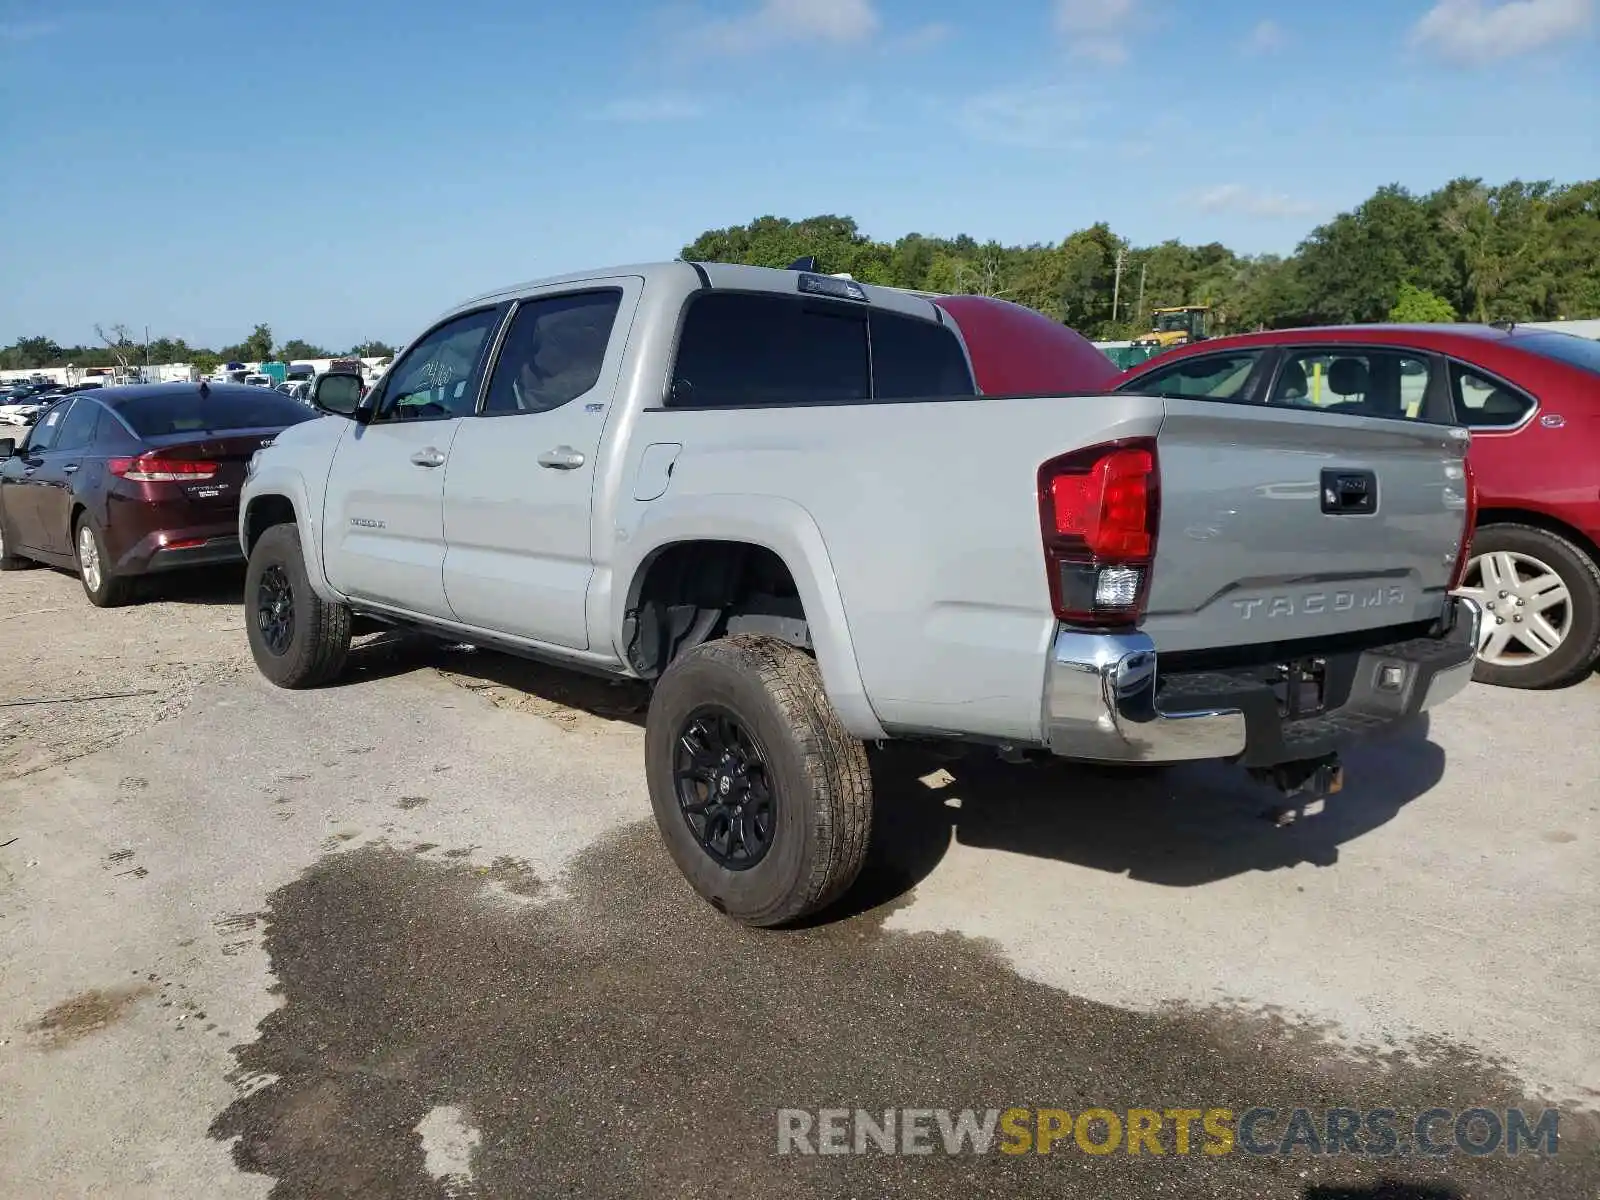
<point x="1541" y="607"/>
<point x="762" y="796"/>
<point x="298" y="639"/>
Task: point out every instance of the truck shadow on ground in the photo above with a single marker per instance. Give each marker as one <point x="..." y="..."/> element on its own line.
<point x="1184" y="826"/>
<point x="390" y="653"/>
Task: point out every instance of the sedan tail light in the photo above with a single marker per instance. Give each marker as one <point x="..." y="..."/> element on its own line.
<point x="150" y="467"/>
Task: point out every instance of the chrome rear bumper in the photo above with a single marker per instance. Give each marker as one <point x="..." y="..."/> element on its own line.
<point x="1103" y="698"/>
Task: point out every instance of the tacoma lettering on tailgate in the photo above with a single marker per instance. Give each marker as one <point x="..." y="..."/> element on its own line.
<point x="1310" y="604"/>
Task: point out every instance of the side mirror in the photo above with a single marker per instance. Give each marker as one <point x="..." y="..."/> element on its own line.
<point x="338" y="393"/>
<point x="8" y="447"/>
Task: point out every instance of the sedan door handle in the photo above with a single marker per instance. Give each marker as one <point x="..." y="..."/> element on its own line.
<point x="562" y="458"/>
<point x="69" y="468"/>
<point x="428" y="457"/>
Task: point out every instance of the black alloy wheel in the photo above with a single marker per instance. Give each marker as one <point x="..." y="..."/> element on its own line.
<point x="275" y="610"/>
<point x="723" y="788"/>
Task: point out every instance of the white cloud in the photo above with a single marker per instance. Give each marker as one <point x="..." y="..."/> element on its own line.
<point x="1236" y="198"/>
<point x="924" y="37"/>
<point x="642" y="109"/>
<point x="1476" y="32"/>
<point x="1052" y="117"/>
<point x="775" y="22"/>
<point x="1266" y="37"/>
<point x="26" y="31"/>
<point x="1095" y="29"/>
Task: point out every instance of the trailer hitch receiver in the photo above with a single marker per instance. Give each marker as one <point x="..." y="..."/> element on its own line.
<point x="1307" y="778"/>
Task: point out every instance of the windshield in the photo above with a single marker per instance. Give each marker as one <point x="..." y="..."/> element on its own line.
<point x="1172" y="322"/>
<point x="1563" y="347"/>
<point x="189" y="412"/>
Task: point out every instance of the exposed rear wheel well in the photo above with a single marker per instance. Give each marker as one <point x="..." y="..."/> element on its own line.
<point x="690" y="592"/>
<point x="265" y="512"/>
<point x="1517" y="516"/>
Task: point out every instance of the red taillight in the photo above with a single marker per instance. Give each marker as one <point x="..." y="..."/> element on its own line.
<point x="1098" y="511"/>
<point x="152" y="468"/>
<point x="1464" y="550"/>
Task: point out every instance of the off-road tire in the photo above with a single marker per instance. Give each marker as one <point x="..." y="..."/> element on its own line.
<point x="320" y="641"/>
<point x="820" y="780"/>
<point x="112" y="591"/>
<point x="1576" y="656"/>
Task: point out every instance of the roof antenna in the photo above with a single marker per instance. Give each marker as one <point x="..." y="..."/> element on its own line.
<point x="204" y="390"/>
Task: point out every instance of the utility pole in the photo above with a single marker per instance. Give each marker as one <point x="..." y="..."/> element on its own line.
<point x="1116" y="286"/>
<point x="1143" y="267"/>
<point x="147" y="354"/>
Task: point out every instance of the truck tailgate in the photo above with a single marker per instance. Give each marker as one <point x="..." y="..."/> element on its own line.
<point x="1279" y="524"/>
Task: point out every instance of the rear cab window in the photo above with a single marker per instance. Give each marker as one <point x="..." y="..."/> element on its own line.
<point x="189" y="412"/>
<point x="749" y="349"/>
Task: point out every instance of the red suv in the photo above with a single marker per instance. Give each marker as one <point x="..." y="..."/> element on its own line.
<point x="1531" y="398"/>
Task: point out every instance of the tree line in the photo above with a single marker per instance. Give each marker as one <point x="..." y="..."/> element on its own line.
<point x="1469" y="251"/>
<point x="1518" y="251"/>
<point x="117" y="347"/>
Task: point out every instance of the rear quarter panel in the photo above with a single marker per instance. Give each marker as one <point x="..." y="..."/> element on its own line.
<point x="1551" y="464"/>
<point x="928" y="513"/>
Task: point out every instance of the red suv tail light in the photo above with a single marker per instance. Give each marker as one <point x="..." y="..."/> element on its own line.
<point x="150" y="467"/>
<point x="1464" y="550"/>
<point x="1099" y="509"/>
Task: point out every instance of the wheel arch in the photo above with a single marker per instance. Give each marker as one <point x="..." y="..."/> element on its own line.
<point x="766" y="530"/>
<point x="262" y="513"/>
<point x="1509" y="515"/>
<point x="279" y="498"/>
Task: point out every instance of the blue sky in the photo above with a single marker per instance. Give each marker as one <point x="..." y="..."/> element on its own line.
<point x="346" y="169"/>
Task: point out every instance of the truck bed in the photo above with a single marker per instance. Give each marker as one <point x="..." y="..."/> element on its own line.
<point x="929" y="514"/>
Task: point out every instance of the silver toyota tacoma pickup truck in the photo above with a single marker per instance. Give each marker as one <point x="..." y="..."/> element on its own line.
<point x="817" y="515"/>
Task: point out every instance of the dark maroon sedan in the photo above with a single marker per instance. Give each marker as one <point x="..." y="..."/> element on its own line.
<point x="121" y="482"/>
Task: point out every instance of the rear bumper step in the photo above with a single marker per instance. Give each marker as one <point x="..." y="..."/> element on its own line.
<point x="1105" y="699"/>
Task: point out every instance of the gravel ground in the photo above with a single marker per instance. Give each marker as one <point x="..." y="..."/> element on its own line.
<point x="416" y="936"/>
<point x="150" y="657"/>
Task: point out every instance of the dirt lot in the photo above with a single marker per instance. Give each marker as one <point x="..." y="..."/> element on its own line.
<point x="415" y="936"/>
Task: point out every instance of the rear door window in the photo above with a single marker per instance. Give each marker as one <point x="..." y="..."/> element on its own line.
<point x="553" y="352"/>
<point x="1203" y="377"/>
<point x="1355" y="381"/>
<point x="77" y="428"/>
<point x="1484" y="403"/>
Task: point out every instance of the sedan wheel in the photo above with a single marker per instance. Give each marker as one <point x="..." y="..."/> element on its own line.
<point x="1527" y="607"/>
<point x="88" y="558"/>
<point x="104" y="589"/>
<point x="1540" y="595"/>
